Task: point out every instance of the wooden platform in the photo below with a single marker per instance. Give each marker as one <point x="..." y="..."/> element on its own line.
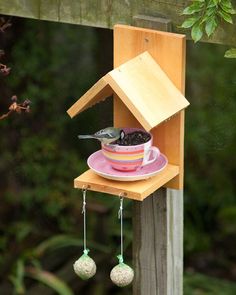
<point x="136" y="190"/>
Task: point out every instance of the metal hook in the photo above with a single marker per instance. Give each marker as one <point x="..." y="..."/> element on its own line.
<point x="121" y="205"/>
<point x="121" y="195"/>
<point x="85" y="188"/>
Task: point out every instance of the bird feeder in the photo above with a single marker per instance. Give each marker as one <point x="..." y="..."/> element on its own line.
<point x="147" y="85"/>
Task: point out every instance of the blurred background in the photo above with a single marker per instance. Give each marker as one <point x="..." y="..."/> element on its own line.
<point x="40" y="213"/>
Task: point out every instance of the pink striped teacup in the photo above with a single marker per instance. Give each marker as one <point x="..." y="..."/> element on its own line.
<point x="130" y="157"/>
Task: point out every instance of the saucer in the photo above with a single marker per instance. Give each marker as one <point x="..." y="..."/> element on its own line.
<point x="100" y="166"/>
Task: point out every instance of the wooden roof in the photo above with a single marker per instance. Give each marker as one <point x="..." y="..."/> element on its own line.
<point x="142" y="86"/>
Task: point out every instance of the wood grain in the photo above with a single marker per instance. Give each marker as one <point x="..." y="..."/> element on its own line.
<point x="98" y="92"/>
<point x="158" y="246"/>
<point x="158" y="220"/>
<point x="168" y="50"/>
<point x="107" y="13"/>
<point x="146" y="90"/>
<point x="142" y="86"/>
<point x="136" y="190"/>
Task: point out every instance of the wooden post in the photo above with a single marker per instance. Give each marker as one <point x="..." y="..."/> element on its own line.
<point x="158" y="233"/>
<point x="158" y="246"/>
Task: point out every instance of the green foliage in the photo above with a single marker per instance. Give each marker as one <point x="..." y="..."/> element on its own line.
<point x="198" y="284"/>
<point x="63" y="241"/>
<point x="231" y="53"/>
<point x="210" y="166"/>
<point x="41" y="221"/>
<point x="50" y="280"/>
<point x="196" y="32"/>
<point x="227" y="220"/>
<point x="17" y="277"/>
<point x="206" y="15"/>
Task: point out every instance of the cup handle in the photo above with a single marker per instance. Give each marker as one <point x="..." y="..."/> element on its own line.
<point x="156" y="153"/>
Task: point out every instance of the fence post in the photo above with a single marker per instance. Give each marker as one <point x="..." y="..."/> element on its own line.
<point x="158" y="244"/>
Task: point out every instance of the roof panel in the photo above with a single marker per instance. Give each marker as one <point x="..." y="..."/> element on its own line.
<point x="98" y="92"/>
<point x="142" y="86"/>
<point x="146" y="90"/>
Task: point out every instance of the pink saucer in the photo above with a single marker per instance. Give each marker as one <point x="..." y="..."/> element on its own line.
<point x="100" y="166"/>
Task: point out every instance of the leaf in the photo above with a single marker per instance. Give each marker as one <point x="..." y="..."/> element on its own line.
<point x="189" y="22"/>
<point x="17" y="279"/>
<point x="63" y="241"/>
<point x="227" y="9"/>
<point x="57" y="242"/>
<point x="210" y="26"/>
<point x="196" y="283"/>
<point x="231" y="53"/>
<point x="225" y="16"/>
<point x="196" y="32"/>
<point x="226" y="3"/>
<point x="20" y="229"/>
<point x="212" y="3"/>
<point x="49" y="280"/>
<point x="195" y="7"/>
<point x="210" y="12"/>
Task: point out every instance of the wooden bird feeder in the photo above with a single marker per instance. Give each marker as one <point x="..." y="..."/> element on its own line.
<point x="147" y="85"/>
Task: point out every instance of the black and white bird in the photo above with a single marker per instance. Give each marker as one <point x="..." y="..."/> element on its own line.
<point x="107" y="135"/>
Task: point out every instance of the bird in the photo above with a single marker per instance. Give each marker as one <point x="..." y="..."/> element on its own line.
<point x="107" y="135"/>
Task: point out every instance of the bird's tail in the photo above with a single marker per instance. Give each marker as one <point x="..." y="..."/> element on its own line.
<point x="85" y="136"/>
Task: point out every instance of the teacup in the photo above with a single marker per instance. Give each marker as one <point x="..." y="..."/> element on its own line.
<point x="130" y="157"/>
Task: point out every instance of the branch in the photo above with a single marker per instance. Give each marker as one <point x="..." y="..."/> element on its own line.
<point x="5" y="115"/>
<point x="4" y="24"/>
<point x="17" y="107"/>
<point x="4" y="70"/>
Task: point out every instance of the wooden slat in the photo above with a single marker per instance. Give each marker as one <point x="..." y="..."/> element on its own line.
<point x="107" y="13"/>
<point x="98" y="92"/>
<point x="153" y="22"/>
<point x="136" y="190"/>
<point x="25" y="8"/>
<point x="169" y="52"/>
<point x="158" y="246"/>
<point x="175" y="229"/>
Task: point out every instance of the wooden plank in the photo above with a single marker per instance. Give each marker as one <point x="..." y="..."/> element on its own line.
<point x="107" y="13"/>
<point x="151" y="22"/>
<point x="25" y="8"/>
<point x="146" y="90"/>
<point x="158" y="247"/>
<point x="98" y="92"/>
<point x="136" y="190"/>
<point x="175" y="227"/>
<point x="158" y="220"/>
<point x="169" y="52"/>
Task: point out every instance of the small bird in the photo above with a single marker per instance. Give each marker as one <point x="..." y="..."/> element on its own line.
<point x="106" y="136"/>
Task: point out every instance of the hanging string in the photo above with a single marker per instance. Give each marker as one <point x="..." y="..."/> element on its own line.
<point x="120" y="216"/>
<point x="84" y="191"/>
